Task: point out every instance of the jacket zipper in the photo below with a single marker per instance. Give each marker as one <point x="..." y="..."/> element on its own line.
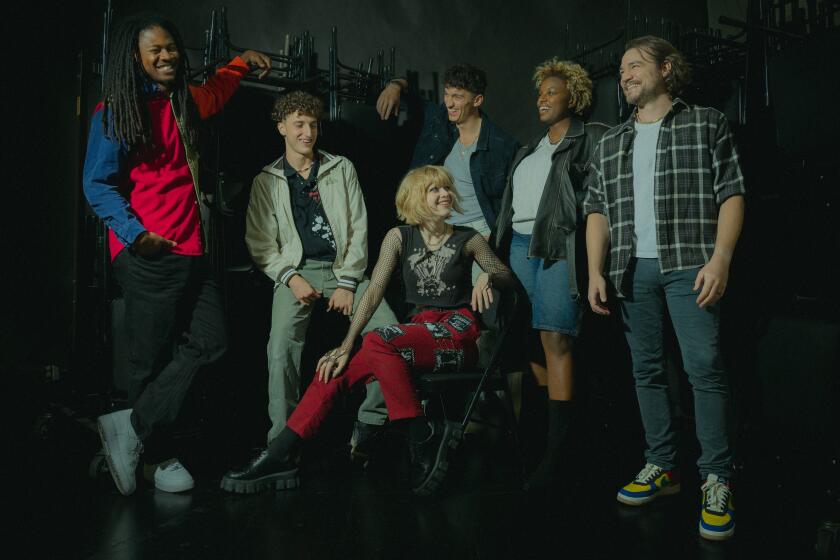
<point x="194" y="175"/>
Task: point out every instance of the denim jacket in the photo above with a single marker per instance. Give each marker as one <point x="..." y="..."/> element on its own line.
<point x="489" y="164"/>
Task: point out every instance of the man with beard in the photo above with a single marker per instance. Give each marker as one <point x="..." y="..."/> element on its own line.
<point x="667" y="204"/>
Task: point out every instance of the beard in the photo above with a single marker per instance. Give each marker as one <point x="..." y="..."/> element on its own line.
<point x="642" y="96"/>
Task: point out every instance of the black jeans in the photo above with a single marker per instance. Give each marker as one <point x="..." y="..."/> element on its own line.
<point x="175" y="324"/>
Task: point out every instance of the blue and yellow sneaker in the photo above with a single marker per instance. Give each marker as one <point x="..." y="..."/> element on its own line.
<point x="717" y="514"/>
<point x="649" y="484"/>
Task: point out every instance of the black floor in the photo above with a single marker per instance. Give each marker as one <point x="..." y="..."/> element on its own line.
<point x="345" y="511"/>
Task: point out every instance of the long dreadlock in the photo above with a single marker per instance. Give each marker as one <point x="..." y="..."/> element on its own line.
<point x="125" y="116"/>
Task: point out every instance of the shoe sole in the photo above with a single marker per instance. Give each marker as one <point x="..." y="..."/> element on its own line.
<point x="174" y="488"/>
<point x="452" y="435"/>
<point x="125" y="487"/>
<point x="716" y="535"/>
<point x="628" y="501"/>
<point x="286" y="480"/>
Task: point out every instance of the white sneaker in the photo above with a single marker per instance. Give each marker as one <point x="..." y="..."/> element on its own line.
<point x="122" y="448"/>
<point x="172" y="476"/>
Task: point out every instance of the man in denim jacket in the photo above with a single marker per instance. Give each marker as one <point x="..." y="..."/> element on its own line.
<point x="459" y="136"/>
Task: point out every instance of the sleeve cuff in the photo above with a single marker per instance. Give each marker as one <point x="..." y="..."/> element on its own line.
<point x="348" y="283"/>
<point x="728" y="192"/>
<point x="239" y="64"/>
<point x="286" y="275"/>
<point x="128" y="236"/>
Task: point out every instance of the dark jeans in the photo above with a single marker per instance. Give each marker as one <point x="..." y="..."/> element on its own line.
<point x="175" y="324"/>
<point x="650" y="295"/>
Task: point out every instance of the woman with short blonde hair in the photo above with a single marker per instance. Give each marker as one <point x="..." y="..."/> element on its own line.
<point x="411" y="193"/>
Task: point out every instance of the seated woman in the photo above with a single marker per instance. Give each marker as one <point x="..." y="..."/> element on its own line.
<point x="436" y="260"/>
<point x="541" y="206"/>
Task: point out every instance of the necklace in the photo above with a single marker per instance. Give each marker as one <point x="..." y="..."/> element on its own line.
<point x="554" y="143"/>
<point x="434" y="246"/>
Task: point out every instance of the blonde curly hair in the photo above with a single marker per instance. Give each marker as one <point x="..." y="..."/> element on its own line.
<point x="576" y="78"/>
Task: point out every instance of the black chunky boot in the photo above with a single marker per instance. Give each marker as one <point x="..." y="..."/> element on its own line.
<point x="430" y="453"/>
<point x="272" y="467"/>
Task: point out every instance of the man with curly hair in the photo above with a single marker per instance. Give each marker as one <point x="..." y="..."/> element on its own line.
<point x="306" y="229"/>
<point x="668" y="205"/>
<point x="538" y="225"/>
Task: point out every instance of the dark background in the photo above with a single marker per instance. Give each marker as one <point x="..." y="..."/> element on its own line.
<point x="780" y="329"/>
<point x="44" y="137"/>
<point x="781" y="309"/>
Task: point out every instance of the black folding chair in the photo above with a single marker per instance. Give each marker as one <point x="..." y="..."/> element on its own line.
<point x="504" y="318"/>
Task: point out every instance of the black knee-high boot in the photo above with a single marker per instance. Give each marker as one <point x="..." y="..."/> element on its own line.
<point x="559" y="417"/>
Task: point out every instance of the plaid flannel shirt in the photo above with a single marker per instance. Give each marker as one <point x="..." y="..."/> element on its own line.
<point x="696" y="171"/>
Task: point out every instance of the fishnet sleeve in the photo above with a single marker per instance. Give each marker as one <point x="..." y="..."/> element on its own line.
<point x="389" y="256"/>
<point x="480" y="251"/>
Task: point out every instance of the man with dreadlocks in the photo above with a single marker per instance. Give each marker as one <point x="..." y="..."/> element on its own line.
<point x="140" y="178"/>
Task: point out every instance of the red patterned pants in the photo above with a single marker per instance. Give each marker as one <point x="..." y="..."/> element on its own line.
<point x="434" y="341"/>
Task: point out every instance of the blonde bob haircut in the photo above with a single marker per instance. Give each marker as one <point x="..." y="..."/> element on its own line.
<point x="412" y="207"/>
<point x="576" y="78"/>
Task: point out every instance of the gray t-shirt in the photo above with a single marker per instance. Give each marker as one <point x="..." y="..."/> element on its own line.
<point x="458" y="164"/>
<point x="644" y="166"/>
<point x="528" y="184"/>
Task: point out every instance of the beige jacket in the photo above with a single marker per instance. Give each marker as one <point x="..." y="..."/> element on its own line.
<point x="270" y="231"/>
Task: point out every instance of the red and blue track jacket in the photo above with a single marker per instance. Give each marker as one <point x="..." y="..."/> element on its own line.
<point x="154" y="190"/>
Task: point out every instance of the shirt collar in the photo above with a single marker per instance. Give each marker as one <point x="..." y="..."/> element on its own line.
<point x="677" y="105"/>
<point x="575" y="128"/>
<point x="152" y="89"/>
<point x="483" y="133"/>
<point x="290" y="171"/>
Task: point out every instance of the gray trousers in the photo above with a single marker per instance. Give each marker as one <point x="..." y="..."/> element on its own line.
<point x="289" y="324"/>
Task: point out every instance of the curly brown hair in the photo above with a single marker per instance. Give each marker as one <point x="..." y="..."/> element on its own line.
<point x="660" y="50"/>
<point x="297" y="102"/>
<point x="576" y="78"/>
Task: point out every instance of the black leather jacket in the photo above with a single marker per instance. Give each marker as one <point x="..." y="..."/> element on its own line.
<point x="559" y="213"/>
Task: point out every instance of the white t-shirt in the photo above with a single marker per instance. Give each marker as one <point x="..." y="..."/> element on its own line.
<point x="458" y="164"/>
<point x="644" y="167"/>
<point x="529" y="180"/>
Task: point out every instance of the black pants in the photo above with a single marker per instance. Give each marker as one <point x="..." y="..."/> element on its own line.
<point x="175" y="324"/>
